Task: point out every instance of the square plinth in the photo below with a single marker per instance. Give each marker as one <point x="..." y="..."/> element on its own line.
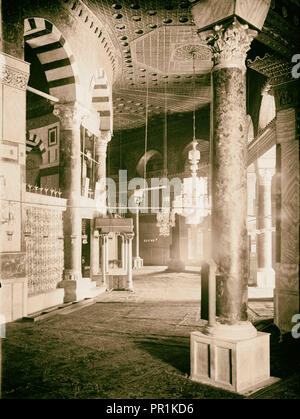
<point x="237" y="366"/>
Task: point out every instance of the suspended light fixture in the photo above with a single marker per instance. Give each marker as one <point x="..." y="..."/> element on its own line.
<point x="165" y="217"/>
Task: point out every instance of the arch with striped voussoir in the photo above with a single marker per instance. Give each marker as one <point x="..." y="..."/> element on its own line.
<point x="55" y="57"/>
<point x="34" y="143"/>
<point x="102" y="100"/>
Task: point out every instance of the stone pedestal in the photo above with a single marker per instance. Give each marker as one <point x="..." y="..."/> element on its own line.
<point x="240" y="366"/>
<point x="77" y="290"/>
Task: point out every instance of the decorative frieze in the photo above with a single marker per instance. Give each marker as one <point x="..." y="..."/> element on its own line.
<point x="12" y="77"/>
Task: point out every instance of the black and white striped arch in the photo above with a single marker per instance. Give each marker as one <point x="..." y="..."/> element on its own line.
<point x="102" y="101"/>
<point x="33" y="143"/>
<point x="55" y="56"/>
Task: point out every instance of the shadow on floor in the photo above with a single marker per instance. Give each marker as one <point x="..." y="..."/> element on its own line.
<point x="174" y="351"/>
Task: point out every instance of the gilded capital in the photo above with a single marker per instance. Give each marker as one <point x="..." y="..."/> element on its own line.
<point x="229" y="44"/>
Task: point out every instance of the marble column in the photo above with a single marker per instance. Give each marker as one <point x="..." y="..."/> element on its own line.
<point x="123" y="255"/>
<point x="265" y="272"/>
<point x="129" y="282"/>
<point x="229" y="46"/>
<point x="229" y="352"/>
<point x="101" y="155"/>
<point x="104" y="248"/>
<point x="286" y="294"/>
<point x="179" y="248"/>
<point x="70" y="183"/>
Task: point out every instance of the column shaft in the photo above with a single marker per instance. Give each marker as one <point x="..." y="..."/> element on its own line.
<point x="264" y="252"/>
<point x="230" y="44"/>
<point x="229" y="213"/>
<point x="70" y="183"/>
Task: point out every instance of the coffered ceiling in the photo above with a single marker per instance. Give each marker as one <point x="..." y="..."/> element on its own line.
<point x="159" y="51"/>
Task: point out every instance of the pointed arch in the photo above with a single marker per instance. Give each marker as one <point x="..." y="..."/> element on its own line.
<point x="151" y="154"/>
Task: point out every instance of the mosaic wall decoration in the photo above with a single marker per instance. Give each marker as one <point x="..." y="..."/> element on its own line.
<point x="44" y="248"/>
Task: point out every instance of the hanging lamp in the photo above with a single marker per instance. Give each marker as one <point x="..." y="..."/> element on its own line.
<point x="165" y="217"/>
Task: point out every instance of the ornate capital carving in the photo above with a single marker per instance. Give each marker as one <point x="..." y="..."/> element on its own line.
<point x="105" y="136"/>
<point x="13" y="77"/>
<point x="70" y="115"/>
<point x="129" y="236"/>
<point x="230" y="44"/>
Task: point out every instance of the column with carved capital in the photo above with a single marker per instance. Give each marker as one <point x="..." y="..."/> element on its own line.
<point x="70" y="116"/>
<point x="229" y="352"/>
<point x="229" y="45"/>
<point x="265" y="272"/>
<point x="100" y="195"/>
<point x="101" y="155"/>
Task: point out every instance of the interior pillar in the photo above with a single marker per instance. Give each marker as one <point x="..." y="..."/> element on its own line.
<point x="286" y="295"/>
<point x="265" y="271"/>
<point x="129" y="238"/>
<point x="70" y="183"/>
<point x="230" y="353"/>
<point x="229" y="190"/>
<point x="101" y="155"/>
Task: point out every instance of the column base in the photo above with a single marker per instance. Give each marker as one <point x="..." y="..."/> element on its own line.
<point x="118" y="283"/>
<point x="231" y="364"/>
<point x="76" y="290"/>
<point x="70" y="275"/>
<point x="266" y="278"/>
<point x="138" y="263"/>
<point x="240" y="331"/>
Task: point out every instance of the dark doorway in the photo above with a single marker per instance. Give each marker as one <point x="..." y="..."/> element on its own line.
<point x="86" y="248"/>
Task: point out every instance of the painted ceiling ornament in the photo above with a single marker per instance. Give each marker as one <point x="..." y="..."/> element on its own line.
<point x="230" y="43"/>
<point x="187" y="52"/>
